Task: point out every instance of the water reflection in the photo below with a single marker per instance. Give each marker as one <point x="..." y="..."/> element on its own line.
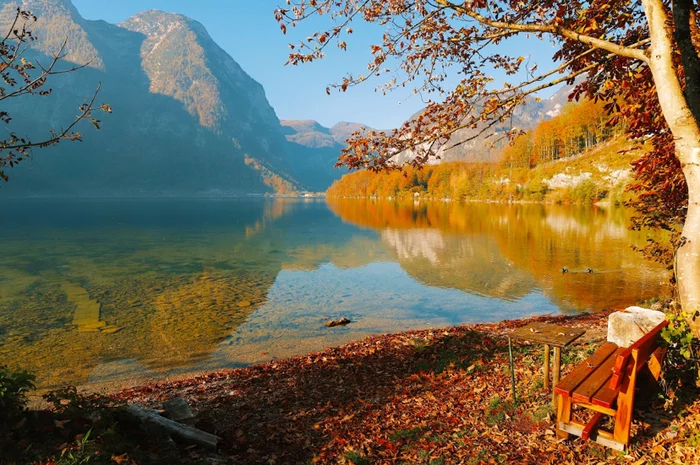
<point x="507" y="251"/>
<point x="99" y="292"/>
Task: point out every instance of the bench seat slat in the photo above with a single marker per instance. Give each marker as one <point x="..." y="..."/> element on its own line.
<point x="585" y="391"/>
<point x="567" y="385"/>
<point x="605" y="397"/>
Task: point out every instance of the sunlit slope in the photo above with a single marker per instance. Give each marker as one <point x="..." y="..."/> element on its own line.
<point x="597" y="175"/>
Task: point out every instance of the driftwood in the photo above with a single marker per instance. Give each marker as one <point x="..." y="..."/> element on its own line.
<point x="182" y="432"/>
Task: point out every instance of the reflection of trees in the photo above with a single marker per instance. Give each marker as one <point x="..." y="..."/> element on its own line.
<point x="584" y="238"/>
<point x="506" y="250"/>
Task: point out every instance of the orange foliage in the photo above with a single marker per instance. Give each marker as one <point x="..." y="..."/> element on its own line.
<point x="579" y="128"/>
<point x="454" y="180"/>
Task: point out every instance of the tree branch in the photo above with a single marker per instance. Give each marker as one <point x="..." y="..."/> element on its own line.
<point x="594" y="42"/>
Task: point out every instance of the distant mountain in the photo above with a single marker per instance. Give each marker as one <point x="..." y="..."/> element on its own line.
<point x="317" y="149"/>
<point x="308" y="133"/>
<point x="187" y="119"/>
<point x="343" y="130"/>
<point x="489" y="149"/>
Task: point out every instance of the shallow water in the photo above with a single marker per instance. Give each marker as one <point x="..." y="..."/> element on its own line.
<point x="112" y="293"/>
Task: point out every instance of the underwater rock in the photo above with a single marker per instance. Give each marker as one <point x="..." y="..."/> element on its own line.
<point x="340" y="322"/>
<point x="111" y="329"/>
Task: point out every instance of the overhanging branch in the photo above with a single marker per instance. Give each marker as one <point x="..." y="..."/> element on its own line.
<point x="594" y="42"/>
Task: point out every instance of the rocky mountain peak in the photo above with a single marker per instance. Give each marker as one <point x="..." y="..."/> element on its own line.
<point x="156" y="23"/>
<point x="44" y="6"/>
<point x="343" y="130"/>
<point x="57" y="20"/>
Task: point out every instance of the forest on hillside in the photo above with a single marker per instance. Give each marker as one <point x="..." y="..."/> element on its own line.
<point x="576" y="157"/>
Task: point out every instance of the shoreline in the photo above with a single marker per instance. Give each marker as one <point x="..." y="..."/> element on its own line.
<point x="604" y="203"/>
<point x="432" y="396"/>
<point x="594" y="321"/>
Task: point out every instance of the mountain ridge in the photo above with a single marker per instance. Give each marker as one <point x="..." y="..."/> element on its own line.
<point x="187" y="119"/>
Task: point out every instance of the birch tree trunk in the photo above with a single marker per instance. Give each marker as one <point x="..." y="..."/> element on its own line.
<point x="686" y="131"/>
<point x="688" y="254"/>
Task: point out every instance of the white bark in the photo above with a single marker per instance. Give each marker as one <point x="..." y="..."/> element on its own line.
<point x="688" y="258"/>
<point x="686" y="132"/>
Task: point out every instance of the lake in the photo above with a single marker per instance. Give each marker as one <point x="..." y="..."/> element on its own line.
<point x="104" y="294"/>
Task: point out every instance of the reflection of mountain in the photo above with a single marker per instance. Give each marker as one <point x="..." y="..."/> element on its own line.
<point x="182" y="278"/>
<point x="174" y="290"/>
<point x="177" y="277"/>
<point x="473" y="264"/>
<point x="506" y="251"/>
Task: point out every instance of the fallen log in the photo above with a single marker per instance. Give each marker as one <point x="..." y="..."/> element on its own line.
<point x="179" y="431"/>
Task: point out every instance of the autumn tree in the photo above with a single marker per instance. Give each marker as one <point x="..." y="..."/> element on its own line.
<point x="23" y="77"/>
<point x="577" y="129"/>
<point x="633" y="55"/>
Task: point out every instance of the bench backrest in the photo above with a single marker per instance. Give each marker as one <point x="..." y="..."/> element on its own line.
<point x="644" y="347"/>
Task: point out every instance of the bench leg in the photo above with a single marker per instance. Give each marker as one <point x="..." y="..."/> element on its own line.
<point x="563" y="414"/>
<point x="556" y="372"/>
<point x="625" y="402"/>
<point x="546" y="366"/>
<point x="623" y="423"/>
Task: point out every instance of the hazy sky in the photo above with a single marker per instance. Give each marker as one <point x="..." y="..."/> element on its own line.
<point x="247" y="30"/>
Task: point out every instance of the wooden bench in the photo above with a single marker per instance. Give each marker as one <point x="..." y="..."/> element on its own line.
<point x="605" y="383"/>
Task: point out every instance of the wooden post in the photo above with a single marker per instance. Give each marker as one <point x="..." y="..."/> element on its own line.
<point x="625" y="401"/>
<point x="563" y="410"/>
<point x="555" y="374"/>
<point x="546" y="366"/>
<point x="512" y="370"/>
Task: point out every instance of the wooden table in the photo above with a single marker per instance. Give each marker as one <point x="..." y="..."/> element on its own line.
<point x="549" y="335"/>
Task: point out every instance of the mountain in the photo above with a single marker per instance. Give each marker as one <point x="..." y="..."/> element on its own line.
<point x="187" y="119"/>
<point x="308" y="133"/>
<point x="316" y="149"/>
<point x="489" y="149"/>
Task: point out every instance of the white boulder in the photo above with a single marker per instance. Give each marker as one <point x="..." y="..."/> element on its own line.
<point x="629" y="325"/>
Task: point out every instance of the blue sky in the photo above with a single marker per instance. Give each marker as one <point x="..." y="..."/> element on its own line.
<point x="247" y="30"/>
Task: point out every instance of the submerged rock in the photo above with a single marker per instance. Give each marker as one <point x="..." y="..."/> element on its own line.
<point x="111" y="329"/>
<point x="340" y="322"/>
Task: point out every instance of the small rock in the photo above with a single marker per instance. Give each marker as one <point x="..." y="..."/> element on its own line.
<point x="111" y="329"/>
<point x="178" y="409"/>
<point x="245" y="303"/>
<point x="340" y="322"/>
